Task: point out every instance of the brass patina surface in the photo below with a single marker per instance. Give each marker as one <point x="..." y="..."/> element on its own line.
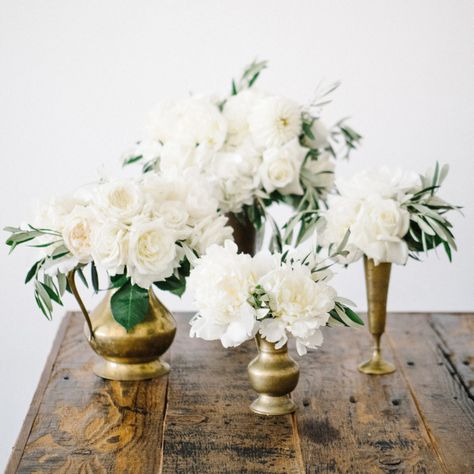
<point x="132" y="355"/>
<point x="377" y="279"/>
<point x="273" y="375"/>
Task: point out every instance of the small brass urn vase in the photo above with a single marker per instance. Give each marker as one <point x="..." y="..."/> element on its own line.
<point x="132" y="355"/>
<point x="377" y="278"/>
<point x="273" y="375"/>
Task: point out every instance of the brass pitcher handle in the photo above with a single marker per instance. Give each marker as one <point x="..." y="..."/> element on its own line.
<point x="72" y="286"/>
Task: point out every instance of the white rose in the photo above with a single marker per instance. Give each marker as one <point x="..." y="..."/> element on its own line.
<point x="77" y="232"/>
<point x="110" y="247"/>
<point x="320" y="133"/>
<point x="122" y="199"/>
<point x="274" y="121"/>
<point x="152" y="254"/>
<point x="280" y="169"/>
<point x="320" y="173"/>
<point x="174" y="215"/>
<point x="237" y="177"/>
<point x="378" y="231"/>
<point x="210" y="231"/>
<point x="236" y="111"/>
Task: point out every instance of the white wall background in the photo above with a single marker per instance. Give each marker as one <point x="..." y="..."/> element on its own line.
<point x="77" y="79"/>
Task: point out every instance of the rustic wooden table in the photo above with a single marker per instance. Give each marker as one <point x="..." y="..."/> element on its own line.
<point x="196" y="420"/>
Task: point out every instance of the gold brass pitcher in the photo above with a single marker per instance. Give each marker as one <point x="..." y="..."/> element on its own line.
<point x="377" y="278"/>
<point x="273" y="375"/>
<point x="132" y="355"/>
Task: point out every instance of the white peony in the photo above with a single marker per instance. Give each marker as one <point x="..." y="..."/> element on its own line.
<point x="378" y="231"/>
<point x="152" y="254"/>
<point x="77" y="232"/>
<point x="221" y="283"/>
<point x="274" y="121"/>
<point x="281" y="166"/>
<point x="122" y="199"/>
<point x="110" y="246"/>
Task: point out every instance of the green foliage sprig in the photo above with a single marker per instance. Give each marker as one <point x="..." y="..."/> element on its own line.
<point x="429" y="227"/>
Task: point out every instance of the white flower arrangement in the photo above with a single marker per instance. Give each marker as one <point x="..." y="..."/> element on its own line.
<point x="139" y="231"/>
<point x="275" y="295"/>
<point x="259" y="148"/>
<point x="389" y="215"/>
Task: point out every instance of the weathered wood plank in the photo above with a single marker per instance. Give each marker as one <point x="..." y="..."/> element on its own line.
<point x="444" y="404"/>
<point x="349" y="422"/>
<point x="208" y="426"/>
<point x="457" y="334"/>
<point x="86" y="424"/>
<point x="25" y="431"/>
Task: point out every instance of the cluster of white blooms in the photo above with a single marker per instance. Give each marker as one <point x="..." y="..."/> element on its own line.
<point x="144" y="227"/>
<point x="250" y="145"/>
<point x="370" y="206"/>
<point x="238" y="296"/>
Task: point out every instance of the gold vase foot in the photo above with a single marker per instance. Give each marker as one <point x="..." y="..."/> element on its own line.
<point x="107" y="369"/>
<point x="271" y="406"/>
<point x="376" y="366"/>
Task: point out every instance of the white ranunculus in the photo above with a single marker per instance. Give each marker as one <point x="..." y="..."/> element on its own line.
<point x="236" y="111"/>
<point x="210" y="231"/>
<point x="221" y="283"/>
<point x="110" y="246"/>
<point x="378" y="231"/>
<point x="281" y="166"/>
<point x="384" y="182"/>
<point x="77" y="232"/>
<point x="152" y="252"/>
<point x="320" y="173"/>
<point x="122" y="199"/>
<point x="321" y="135"/>
<point x="274" y="121"/>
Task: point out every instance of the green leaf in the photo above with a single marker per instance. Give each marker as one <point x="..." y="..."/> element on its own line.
<point x="82" y="277"/>
<point x="129" y="305"/>
<point x="62" y="283"/>
<point x="52" y="294"/>
<point x="117" y="281"/>
<point x="94" y="277"/>
<point x="353" y="315"/>
<point x="33" y="270"/>
<point x="44" y="296"/>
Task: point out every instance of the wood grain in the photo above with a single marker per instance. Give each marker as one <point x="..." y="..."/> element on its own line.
<point x="86" y="424"/>
<point x="349" y="422"/>
<point x="208" y="426"/>
<point x="419" y="419"/>
<point x="457" y="335"/>
<point x="444" y="404"/>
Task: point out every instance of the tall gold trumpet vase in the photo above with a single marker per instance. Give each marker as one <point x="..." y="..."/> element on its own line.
<point x="273" y="375"/>
<point x="132" y="355"/>
<point x="377" y="278"/>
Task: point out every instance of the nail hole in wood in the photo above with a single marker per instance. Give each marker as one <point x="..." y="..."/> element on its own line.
<point x="352" y="399"/>
<point x="410" y="363"/>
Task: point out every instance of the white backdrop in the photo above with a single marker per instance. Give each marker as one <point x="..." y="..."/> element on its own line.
<point x="77" y="79"/>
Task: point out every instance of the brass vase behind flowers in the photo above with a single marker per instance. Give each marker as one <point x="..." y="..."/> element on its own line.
<point x="273" y="375"/>
<point x="377" y="278"/>
<point x="133" y="354"/>
<point x="245" y="235"/>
